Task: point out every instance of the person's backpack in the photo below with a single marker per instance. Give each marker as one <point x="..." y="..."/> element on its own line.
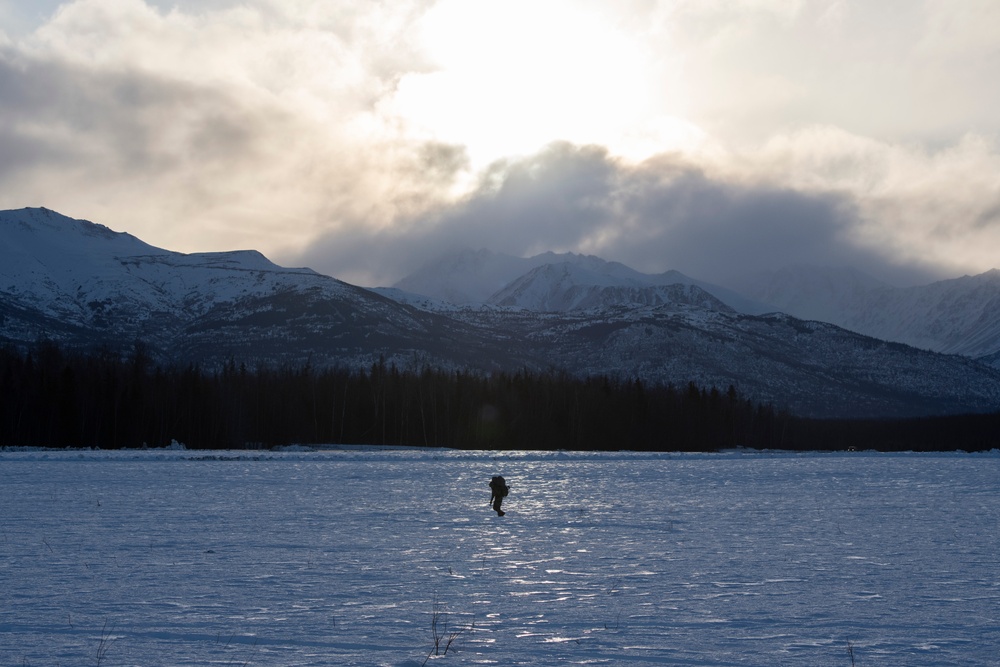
<point x="499" y="486"/>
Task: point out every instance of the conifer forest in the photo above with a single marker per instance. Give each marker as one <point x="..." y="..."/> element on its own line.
<point x="112" y="399"/>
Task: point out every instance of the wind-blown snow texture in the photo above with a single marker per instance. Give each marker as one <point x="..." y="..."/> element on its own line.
<point x="342" y="558"/>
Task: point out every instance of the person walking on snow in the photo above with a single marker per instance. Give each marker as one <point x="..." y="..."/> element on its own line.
<point x="499" y="488"/>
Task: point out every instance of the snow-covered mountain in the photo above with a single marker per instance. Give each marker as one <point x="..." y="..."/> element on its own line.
<point x="84" y="285"/>
<point x="85" y="273"/>
<point x="473" y="277"/>
<point x="959" y="316"/>
<point x="80" y="283"/>
<point x="812" y="368"/>
<point x="567" y="286"/>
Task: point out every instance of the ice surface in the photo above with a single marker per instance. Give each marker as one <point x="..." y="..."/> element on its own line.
<point x="344" y="557"/>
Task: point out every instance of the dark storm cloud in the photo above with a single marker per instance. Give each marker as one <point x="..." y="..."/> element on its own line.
<point x="663" y="214"/>
<point x="715" y="229"/>
<point x="545" y="202"/>
<point x="548" y="201"/>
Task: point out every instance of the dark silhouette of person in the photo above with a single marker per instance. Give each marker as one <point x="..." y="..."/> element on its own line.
<point x="498" y="485"/>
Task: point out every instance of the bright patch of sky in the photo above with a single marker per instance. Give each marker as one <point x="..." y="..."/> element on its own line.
<point x="508" y="78"/>
<point x="364" y="139"/>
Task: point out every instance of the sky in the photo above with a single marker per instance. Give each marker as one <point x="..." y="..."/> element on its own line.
<point x="365" y="139"/>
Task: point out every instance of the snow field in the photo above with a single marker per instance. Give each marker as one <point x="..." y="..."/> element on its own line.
<point x="347" y="558"/>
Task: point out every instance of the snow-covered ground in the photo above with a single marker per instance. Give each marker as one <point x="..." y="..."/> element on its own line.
<point x="347" y="557"/>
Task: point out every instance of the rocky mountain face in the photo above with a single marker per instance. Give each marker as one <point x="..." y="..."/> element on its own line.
<point x="83" y="285"/>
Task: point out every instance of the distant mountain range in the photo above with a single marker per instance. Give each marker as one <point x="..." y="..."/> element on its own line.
<point x="471" y="277"/>
<point x="959" y="316"/>
<point x="84" y="285"/>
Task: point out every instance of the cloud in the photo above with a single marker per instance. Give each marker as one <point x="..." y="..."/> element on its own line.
<point x="917" y="71"/>
<point x="666" y="213"/>
<point x="832" y="132"/>
<point x="247" y="125"/>
<point x="98" y="141"/>
<point x="916" y="205"/>
<point x="713" y="228"/>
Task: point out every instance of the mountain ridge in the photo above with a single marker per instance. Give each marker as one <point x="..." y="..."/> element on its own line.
<point x="211" y="308"/>
<point x="953" y="316"/>
<point x="484" y="274"/>
<point x="565" y="286"/>
<point x="956" y="316"/>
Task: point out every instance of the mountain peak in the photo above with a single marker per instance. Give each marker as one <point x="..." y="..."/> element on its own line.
<point x="84" y="274"/>
<point x="479" y="276"/>
<point x="42" y="220"/>
<point x="567" y="286"/>
<point x="467" y="276"/>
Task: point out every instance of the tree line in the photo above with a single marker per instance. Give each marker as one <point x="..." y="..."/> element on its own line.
<point x="109" y="399"/>
<point x="113" y="399"/>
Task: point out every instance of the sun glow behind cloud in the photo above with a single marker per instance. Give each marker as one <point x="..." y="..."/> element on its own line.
<point x="508" y="78"/>
<point x="360" y="138"/>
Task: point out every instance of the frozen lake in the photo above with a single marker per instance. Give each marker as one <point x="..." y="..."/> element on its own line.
<point x="347" y="557"/>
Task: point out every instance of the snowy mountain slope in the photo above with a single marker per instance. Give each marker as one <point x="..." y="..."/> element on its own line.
<point x="472" y="277"/>
<point x="811" y="368"/>
<point x="82" y="285"/>
<point x="959" y="316"/>
<point x="86" y="272"/>
<point x="569" y="286"/>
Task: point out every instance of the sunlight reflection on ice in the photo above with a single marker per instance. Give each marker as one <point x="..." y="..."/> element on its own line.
<point x="343" y="557"/>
